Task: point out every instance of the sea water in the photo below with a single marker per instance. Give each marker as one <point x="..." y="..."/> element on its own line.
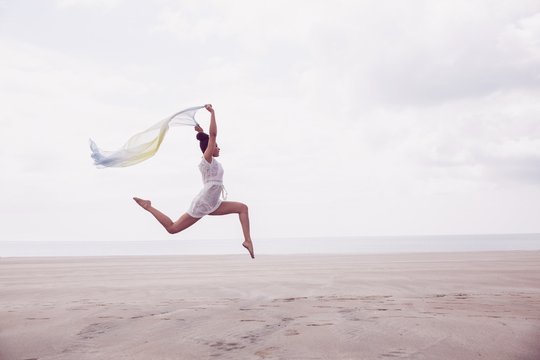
<point x="314" y="245"/>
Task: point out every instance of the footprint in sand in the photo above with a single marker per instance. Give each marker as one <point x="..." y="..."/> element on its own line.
<point x="93" y="330"/>
<point x="291" y="299"/>
<point x="251" y="338"/>
<point x="399" y="353"/>
<point x="291" y="332"/>
<point x="220" y="345"/>
<point x="110" y="317"/>
<point x="264" y="353"/>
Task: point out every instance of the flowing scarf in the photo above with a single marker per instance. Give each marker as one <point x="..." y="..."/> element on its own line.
<point x="143" y="145"/>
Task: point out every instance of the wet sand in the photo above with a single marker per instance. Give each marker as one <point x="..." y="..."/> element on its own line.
<point x="483" y="305"/>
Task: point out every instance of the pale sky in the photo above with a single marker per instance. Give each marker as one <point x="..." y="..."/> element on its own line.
<point x="335" y="118"/>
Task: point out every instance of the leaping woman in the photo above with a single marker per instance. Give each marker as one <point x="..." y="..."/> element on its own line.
<point x="210" y="200"/>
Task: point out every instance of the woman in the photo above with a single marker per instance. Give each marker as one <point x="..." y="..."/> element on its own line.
<point x="208" y="201"/>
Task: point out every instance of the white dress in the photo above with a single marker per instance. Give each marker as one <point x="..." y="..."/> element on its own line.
<point x="212" y="194"/>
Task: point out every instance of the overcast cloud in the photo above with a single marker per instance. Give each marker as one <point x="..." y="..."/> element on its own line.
<point x="335" y="118"/>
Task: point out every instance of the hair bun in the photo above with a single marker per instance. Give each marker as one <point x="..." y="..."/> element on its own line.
<point x="203" y="140"/>
<point x="202" y="136"/>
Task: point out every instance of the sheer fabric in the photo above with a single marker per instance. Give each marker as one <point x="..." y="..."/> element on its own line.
<point x="143" y="145"/>
<point x="213" y="192"/>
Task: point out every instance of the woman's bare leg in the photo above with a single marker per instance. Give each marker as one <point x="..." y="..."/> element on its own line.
<point x="232" y="207"/>
<point x="182" y="223"/>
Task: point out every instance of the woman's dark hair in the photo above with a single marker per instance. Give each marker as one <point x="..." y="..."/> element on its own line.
<point x="203" y="141"/>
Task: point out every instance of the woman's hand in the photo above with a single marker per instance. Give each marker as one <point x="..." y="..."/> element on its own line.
<point x="209" y="107"/>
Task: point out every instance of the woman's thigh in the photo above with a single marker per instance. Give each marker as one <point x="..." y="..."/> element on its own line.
<point x="229" y="207"/>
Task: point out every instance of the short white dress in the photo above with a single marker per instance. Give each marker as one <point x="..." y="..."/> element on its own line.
<point x="213" y="192"/>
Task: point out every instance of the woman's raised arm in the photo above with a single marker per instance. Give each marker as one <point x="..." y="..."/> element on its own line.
<point x="212" y="133"/>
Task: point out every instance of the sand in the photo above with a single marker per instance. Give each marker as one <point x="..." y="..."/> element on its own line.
<point x="412" y="306"/>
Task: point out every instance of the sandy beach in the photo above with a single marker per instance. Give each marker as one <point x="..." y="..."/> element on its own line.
<point x="483" y="305"/>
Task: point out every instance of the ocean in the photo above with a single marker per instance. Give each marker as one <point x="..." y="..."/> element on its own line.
<point x="281" y="246"/>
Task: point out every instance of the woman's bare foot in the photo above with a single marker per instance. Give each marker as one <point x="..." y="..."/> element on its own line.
<point x="145" y="204"/>
<point x="249" y="246"/>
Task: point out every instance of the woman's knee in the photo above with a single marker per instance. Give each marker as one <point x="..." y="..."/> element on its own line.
<point x="244" y="208"/>
<point x="183" y="223"/>
<point x="170" y="229"/>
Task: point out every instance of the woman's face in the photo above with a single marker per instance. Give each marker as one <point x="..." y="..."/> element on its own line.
<point x="216" y="151"/>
